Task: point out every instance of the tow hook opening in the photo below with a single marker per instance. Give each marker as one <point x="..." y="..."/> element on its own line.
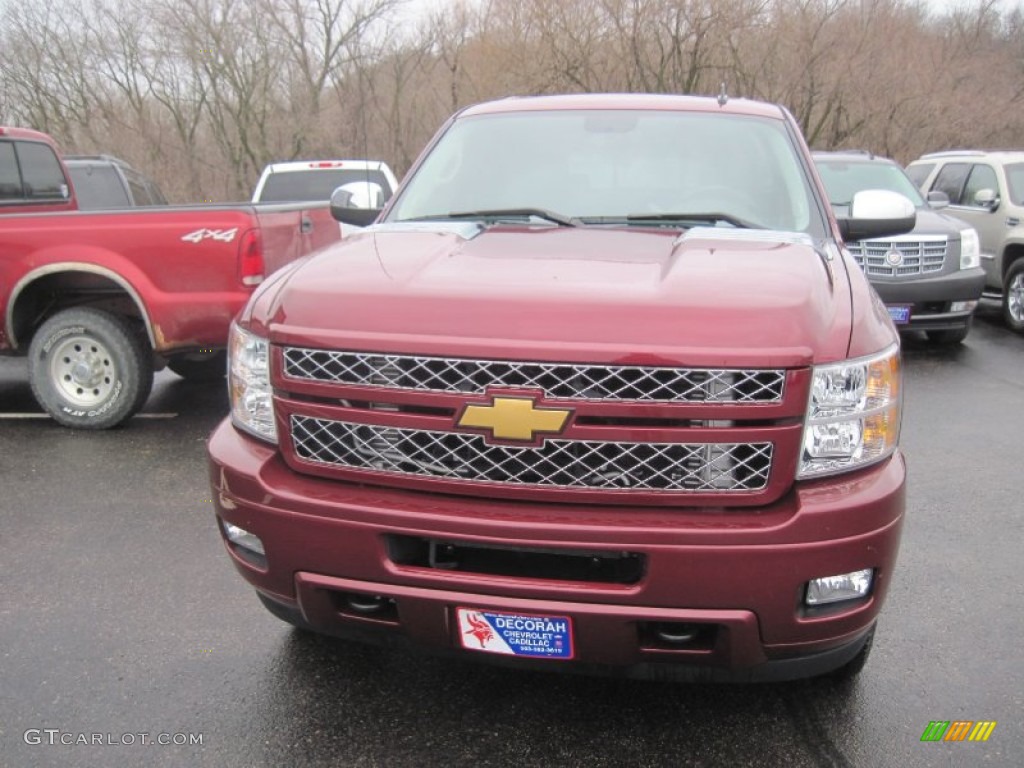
<point x="677" y="636"/>
<point x="361" y="605"/>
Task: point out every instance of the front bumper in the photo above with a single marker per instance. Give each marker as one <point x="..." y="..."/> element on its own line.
<point x="737" y="574"/>
<point x="930" y="299"/>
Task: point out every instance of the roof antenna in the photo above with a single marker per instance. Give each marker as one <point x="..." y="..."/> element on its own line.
<point x="723" y="96"/>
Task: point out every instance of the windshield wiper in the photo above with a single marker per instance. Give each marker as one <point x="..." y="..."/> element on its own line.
<point x="705" y="217"/>
<point x="504" y="213"/>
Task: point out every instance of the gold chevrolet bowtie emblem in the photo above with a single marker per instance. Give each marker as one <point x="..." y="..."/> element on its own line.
<point x="514" y="418"/>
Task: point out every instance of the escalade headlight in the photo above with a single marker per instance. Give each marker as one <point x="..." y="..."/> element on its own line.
<point x="853" y="417"/>
<point x="970" y="248"/>
<point x="252" y="403"/>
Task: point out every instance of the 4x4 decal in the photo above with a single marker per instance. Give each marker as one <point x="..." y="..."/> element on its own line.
<point x="221" y="235"/>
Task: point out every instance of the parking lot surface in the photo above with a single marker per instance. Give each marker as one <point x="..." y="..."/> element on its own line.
<point x="127" y="639"/>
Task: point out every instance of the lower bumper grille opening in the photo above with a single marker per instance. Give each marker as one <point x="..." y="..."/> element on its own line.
<point x="668" y="636"/>
<point x="530" y="563"/>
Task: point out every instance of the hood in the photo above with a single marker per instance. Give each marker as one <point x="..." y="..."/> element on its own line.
<point x="710" y="297"/>
<point x="937" y="222"/>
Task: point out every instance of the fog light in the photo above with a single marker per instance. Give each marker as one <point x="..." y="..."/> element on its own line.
<point x="242" y="538"/>
<point x="962" y="306"/>
<point x="834" y="589"/>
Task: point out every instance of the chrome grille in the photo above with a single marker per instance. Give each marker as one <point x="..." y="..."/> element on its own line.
<point x="920" y="255"/>
<point x="557" y="380"/>
<point x="695" y="467"/>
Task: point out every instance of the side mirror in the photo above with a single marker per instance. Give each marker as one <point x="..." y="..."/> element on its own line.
<point x="938" y="199"/>
<point x="986" y="198"/>
<point x="346" y="209"/>
<point x="878" y="213"/>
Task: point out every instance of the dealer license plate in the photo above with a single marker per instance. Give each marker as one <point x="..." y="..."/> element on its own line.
<point x="515" y="634"/>
<point x="900" y="313"/>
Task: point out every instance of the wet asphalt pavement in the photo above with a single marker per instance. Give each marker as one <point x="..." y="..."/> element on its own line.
<point x="123" y="623"/>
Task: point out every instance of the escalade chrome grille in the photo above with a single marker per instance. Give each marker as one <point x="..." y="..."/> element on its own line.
<point x="697" y="467"/>
<point x="557" y="380"/>
<point x="918" y="255"/>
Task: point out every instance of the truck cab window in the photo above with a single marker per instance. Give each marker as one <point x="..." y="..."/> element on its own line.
<point x="982" y="177"/>
<point x="951" y="181"/>
<point x="43" y="177"/>
<point x="10" y="177"/>
<point x="1015" y="182"/>
<point x="139" y="192"/>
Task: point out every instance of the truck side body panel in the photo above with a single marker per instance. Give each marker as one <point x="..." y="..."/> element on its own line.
<point x="182" y="263"/>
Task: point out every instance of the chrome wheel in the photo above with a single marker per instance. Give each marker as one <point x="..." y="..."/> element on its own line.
<point x="83" y="370"/>
<point x="1015" y="297"/>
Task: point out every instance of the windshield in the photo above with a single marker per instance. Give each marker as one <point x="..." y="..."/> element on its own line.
<point x="315" y="185"/>
<point x="843" y="178"/>
<point x="637" y="167"/>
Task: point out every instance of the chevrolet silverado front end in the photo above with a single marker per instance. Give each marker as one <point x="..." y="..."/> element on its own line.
<point x="599" y="390"/>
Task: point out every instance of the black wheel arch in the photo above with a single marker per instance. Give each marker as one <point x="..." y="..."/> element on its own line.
<point x="1012" y="253"/>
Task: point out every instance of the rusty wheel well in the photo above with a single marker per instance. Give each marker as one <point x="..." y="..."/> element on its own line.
<point x="51" y="293"/>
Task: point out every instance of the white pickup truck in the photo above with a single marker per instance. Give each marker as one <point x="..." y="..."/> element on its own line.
<point x="369" y="182"/>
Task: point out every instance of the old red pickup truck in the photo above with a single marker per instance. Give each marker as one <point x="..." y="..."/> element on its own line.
<point x="600" y="389"/>
<point x="99" y="300"/>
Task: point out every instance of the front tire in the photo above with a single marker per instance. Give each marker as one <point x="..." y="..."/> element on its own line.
<point x="200" y="366"/>
<point x="285" y="613"/>
<point x="1013" y="297"/>
<point x="89" y="369"/>
<point x="853" y="667"/>
<point x="949" y="337"/>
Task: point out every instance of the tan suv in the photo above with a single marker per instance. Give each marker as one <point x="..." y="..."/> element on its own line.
<point x="986" y="189"/>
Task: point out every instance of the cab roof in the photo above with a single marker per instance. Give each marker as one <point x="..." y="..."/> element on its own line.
<point x="852" y="156"/>
<point x="998" y="155"/>
<point x="28" y="134"/>
<point x="627" y="101"/>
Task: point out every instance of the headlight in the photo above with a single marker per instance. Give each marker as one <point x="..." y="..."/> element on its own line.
<point x="853" y="417"/>
<point x="970" y="248"/>
<point x="252" y="403"/>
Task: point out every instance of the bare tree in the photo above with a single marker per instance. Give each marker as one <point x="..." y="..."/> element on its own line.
<point x="674" y="46"/>
<point x="320" y="41"/>
<point x="203" y="93"/>
<point x="47" y="68"/>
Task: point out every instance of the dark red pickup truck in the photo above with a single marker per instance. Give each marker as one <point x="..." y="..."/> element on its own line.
<point x="99" y="300"/>
<point x="601" y="389"/>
